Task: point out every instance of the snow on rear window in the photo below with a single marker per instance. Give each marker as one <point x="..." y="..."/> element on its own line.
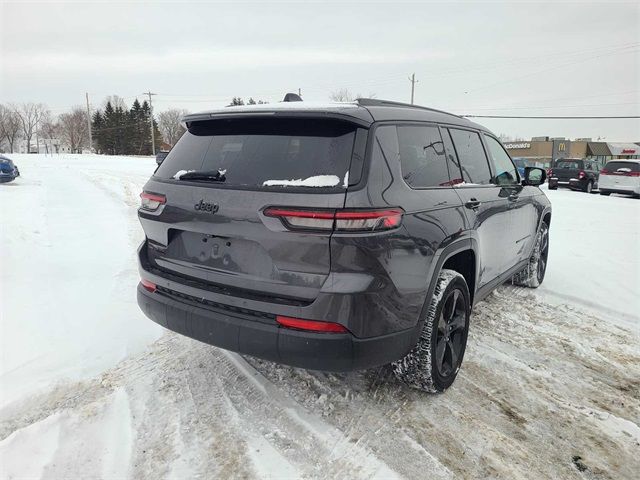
<point x="266" y="152"/>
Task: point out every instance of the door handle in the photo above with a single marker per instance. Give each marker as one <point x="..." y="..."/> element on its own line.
<point x="473" y="204"/>
<point x="513" y="197"/>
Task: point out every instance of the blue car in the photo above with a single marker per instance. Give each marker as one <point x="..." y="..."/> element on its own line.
<point x="8" y="170"/>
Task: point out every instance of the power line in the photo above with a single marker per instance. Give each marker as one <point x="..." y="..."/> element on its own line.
<point x="554" y="117"/>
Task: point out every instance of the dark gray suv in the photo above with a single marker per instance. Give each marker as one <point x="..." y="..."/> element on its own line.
<point x="337" y="237"/>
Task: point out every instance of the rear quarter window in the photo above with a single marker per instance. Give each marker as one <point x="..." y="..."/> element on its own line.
<point x="422" y="156"/>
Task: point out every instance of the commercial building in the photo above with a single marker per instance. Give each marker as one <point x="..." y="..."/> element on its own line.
<point x="541" y="151"/>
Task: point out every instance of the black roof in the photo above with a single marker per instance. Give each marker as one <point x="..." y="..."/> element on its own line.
<point x="363" y="111"/>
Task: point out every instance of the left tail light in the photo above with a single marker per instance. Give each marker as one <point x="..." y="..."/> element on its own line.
<point x="581" y="174"/>
<point x="152" y="201"/>
<point x="341" y="220"/>
<point x="148" y="286"/>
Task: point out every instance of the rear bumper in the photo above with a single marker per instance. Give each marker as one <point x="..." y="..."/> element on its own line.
<point x="572" y="183"/>
<point x="257" y="334"/>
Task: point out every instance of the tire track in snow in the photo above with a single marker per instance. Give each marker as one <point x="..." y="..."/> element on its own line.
<point x="194" y="410"/>
<point x="539" y="386"/>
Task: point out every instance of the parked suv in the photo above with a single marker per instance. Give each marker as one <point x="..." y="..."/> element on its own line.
<point x="575" y="173"/>
<point x="337" y="237"/>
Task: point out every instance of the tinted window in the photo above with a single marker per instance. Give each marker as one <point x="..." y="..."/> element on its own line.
<point x="578" y="164"/>
<point x="615" y="166"/>
<point x="504" y="171"/>
<point x="473" y="160"/>
<point x="422" y="157"/>
<point x="454" y="166"/>
<point x="274" y="152"/>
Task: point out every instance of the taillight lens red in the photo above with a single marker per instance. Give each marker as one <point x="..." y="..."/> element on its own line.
<point x="148" y="286"/>
<point x="604" y="171"/>
<point x="581" y="174"/>
<point x="151" y="201"/>
<point x="310" y="325"/>
<point x="347" y="220"/>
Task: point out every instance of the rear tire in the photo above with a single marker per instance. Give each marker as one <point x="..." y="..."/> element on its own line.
<point x="552" y="188"/>
<point x="588" y="188"/>
<point x="433" y="364"/>
<point x="533" y="274"/>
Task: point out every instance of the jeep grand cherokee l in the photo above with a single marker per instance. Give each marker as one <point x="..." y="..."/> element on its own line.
<point x="337" y="237"/>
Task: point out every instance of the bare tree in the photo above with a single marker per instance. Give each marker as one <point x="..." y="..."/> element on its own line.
<point x="49" y="130"/>
<point x="116" y="102"/>
<point x="169" y="125"/>
<point x="344" y="95"/>
<point x="9" y="126"/>
<point x="74" y="130"/>
<point x="29" y="115"/>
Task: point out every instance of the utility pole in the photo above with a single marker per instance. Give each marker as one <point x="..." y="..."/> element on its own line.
<point x="89" y="122"/>
<point x="300" y="93"/>
<point x="413" y="81"/>
<point x="153" y="134"/>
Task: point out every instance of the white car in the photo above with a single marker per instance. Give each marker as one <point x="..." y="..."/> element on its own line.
<point x="620" y="176"/>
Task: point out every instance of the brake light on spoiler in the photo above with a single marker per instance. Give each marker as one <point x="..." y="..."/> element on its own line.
<point x="342" y="220"/>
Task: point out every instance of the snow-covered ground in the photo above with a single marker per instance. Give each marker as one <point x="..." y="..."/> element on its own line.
<point x="89" y="388"/>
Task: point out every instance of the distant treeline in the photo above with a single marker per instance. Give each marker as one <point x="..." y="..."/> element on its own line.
<point x="118" y="131"/>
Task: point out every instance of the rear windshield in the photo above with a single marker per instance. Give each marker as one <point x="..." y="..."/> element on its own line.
<point x="575" y="164"/>
<point x="614" y="166"/>
<point x="277" y="153"/>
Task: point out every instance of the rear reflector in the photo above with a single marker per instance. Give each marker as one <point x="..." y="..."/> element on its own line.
<point x="151" y="201"/>
<point x="310" y="325"/>
<point x="148" y="286"/>
<point x="342" y="220"/>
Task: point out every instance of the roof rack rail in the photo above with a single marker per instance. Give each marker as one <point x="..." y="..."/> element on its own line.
<point x="374" y="102"/>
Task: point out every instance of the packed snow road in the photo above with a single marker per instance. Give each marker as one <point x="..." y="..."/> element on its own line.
<point x="550" y="385"/>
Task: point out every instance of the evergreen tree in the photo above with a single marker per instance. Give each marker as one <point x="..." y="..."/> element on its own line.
<point x="97" y="125"/>
<point x="109" y="129"/>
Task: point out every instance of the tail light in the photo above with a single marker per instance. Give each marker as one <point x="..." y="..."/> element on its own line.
<point x="310" y="325"/>
<point x="604" y="171"/>
<point x="151" y="201"/>
<point x="148" y="286"/>
<point x="549" y="172"/>
<point x="581" y="174"/>
<point x="372" y="220"/>
<point x="634" y="174"/>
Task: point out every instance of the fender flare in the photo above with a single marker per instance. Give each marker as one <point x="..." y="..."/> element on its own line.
<point x="460" y="245"/>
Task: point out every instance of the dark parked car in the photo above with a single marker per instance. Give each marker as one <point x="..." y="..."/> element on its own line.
<point x="8" y="170"/>
<point x="576" y="174"/>
<point x="338" y="237"/>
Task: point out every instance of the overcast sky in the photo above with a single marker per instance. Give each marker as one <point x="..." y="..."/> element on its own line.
<point x="508" y="58"/>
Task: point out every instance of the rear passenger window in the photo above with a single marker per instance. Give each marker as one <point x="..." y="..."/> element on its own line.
<point x="422" y="156"/>
<point x="473" y="160"/>
<point x="505" y="171"/>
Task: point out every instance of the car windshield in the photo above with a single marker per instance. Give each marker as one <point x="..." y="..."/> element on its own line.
<point x="575" y="164"/>
<point x="263" y="153"/>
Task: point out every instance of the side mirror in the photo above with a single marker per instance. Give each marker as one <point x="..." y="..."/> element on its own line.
<point x="534" y="176"/>
<point x="160" y="157"/>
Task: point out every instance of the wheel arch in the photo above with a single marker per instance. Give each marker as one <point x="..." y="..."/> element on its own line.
<point x="454" y="256"/>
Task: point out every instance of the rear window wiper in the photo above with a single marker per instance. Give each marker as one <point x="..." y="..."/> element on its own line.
<point x="204" y="175"/>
